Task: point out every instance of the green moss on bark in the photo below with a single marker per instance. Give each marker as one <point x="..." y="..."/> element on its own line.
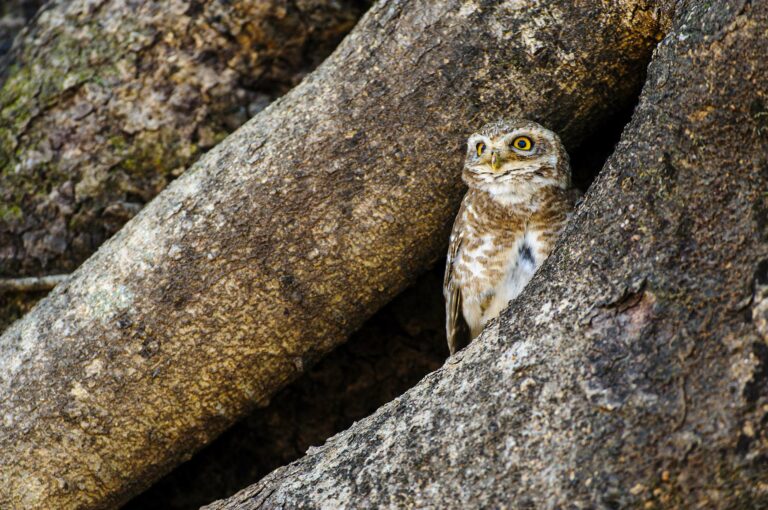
<point x="101" y="106"/>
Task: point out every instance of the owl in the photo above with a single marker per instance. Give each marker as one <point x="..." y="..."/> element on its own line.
<point x="520" y="197"/>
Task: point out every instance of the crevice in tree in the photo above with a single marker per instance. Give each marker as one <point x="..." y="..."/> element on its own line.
<point x="390" y="353"/>
<point x="590" y="156"/>
<point x="13" y="15"/>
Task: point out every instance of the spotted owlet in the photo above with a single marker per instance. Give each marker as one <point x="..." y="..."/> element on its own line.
<point x="520" y="197"/>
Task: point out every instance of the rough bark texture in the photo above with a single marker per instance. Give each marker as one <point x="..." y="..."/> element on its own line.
<point x="393" y="350"/>
<point x="282" y="239"/>
<point x="13" y="15"/>
<point x="103" y="103"/>
<point x="633" y="371"/>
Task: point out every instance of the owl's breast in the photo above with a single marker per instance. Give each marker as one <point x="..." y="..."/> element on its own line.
<point x="493" y="270"/>
<point x="482" y="262"/>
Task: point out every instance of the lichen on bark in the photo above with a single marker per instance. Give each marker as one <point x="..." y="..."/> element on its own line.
<point x="103" y="103"/>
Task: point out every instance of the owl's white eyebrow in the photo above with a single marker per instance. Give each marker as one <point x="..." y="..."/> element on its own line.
<point x="515" y="134"/>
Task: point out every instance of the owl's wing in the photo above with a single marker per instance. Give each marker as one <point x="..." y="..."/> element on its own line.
<point x="456" y="329"/>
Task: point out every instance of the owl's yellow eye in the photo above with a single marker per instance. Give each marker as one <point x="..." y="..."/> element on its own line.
<point x="480" y="148"/>
<point x="522" y="143"/>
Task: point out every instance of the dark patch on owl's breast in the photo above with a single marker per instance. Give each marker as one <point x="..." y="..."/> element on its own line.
<point x="526" y="255"/>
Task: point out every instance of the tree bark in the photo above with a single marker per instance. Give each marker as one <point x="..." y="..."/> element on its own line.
<point x="391" y="352"/>
<point x="280" y="241"/>
<point x="632" y="371"/>
<point x="103" y="103"/>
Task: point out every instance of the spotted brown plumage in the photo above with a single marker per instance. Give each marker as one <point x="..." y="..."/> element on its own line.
<point x="520" y="197"/>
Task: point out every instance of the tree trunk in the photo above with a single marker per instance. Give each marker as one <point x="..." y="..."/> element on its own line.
<point x="632" y="371"/>
<point x="283" y="238"/>
<point x="103" y="103"/>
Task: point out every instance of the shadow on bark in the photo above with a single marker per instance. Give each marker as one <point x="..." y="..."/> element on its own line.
<point x="14" y="14"/>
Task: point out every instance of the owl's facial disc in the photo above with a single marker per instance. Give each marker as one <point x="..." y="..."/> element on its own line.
<point x="518" y="152"/>
<point x="508" y="158"/>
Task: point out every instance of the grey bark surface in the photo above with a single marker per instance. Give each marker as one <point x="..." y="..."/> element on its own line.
<point x="282" y="239"/>
<point x="633" y="370"/>
<point x="103" y="103"/>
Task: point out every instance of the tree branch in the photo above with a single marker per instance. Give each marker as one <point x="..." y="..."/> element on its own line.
<point x="85" y="142"/>
<point x="31" y="283"/>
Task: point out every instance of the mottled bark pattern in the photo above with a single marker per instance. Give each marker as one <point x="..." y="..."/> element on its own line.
<point x="281" y="240"/>
<point x="632" y="371"/>
<point x="393" y="350"/>
<point x="103" y="103"/>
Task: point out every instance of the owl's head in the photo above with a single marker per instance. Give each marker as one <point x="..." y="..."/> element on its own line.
<point x="512" y="159"/>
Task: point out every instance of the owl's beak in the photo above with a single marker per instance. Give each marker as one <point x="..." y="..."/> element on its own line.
<point x="494" y="160"/>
